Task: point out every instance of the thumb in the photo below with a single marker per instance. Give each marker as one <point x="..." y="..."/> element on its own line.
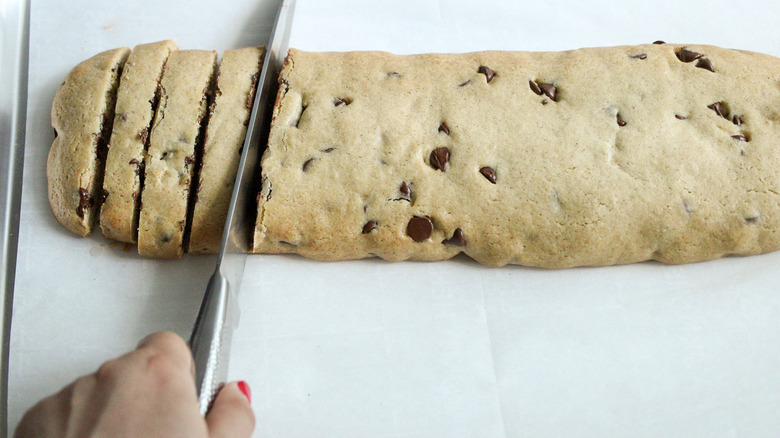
<point x="231" y="415"/>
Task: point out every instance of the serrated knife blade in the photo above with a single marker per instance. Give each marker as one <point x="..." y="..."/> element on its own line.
<point x="218" y="314"/>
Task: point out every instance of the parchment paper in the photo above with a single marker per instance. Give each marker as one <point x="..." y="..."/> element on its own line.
<point x="375" y="349"/>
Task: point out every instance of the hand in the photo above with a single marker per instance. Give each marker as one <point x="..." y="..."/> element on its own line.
<point x="149" y="392"/>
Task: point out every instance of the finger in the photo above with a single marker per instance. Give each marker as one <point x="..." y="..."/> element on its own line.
<point x="172" y="345"/>
<point x="231" y="415"/>
<point x="163" y="340"/>
<point x="49" y="417"/>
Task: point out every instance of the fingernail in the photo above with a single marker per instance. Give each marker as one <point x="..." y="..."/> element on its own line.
<point x="244" y="388"/>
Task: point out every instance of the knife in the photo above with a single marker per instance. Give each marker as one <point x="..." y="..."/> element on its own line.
<point x="218" y="314"/>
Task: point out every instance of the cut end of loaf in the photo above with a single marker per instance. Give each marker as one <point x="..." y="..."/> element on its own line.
<point x="82" y="115"/>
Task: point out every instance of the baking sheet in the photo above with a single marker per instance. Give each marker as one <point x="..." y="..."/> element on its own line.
<point x="377" y="349"/>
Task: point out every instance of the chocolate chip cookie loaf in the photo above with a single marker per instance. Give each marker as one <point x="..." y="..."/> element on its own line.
<point x="224" y="138"/>
<point x="136" y="103"/>
<point x="82" y="114"/>
<point x="171" y="158"/>
<point x="587" y="157"/>
<point x="166" y="175"/>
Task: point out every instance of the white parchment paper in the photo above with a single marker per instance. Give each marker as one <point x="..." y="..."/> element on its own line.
<point x="375" y="349"/>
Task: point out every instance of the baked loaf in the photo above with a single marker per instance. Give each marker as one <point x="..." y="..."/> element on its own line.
<point x="587" y="157"/>
<point x="225" y="133"/>
<point x="168" y="141"/>
<point x="136" y="102"/>
<point x="82" y="114"/>
<point x="171" y="157"/>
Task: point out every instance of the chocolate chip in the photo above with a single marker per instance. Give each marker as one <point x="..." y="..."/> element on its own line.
<point x="419" y="228"/>
<point x="740" y="137"/>
<point x="485" y="70"/>
<point x="306" y="164"/>
<point x="189" y="159"/>
<point x="144" y="134"/>
<point x="465" y="83"/>
<point x="85" y="201"/>
<point x="545" y="101"/>
<point x="720" y="109"/>
<point x="488" y="173"/>
<point x="103" y="196"/>
<point x="457" y="239"/>
<point x="340" y="101"/>
<point x="550" y="90"/>
<point x="640" y="56"/>
<point x="406" y="192"/>
<point x="705" y="64"/>
<point x="679" y="117"/>
<point x="737" y="120"/>
<point x="328" y="150"/>
<point x="134" y="161"/>
<point x="439" y="158"/>
<point x="369" y="226"/>
<point x="444" y="128"/>
<point x="686" y="55"/>
<point x="752" y="219"/>
<point x="535" y="87"/>
<point x="658" y="42"/>
<point x="620" y="121"/>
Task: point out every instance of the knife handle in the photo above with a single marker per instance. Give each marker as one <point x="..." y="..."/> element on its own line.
<point x="210" y="341"/>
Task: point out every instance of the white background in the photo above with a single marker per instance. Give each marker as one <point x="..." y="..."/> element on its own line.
<point x="374" y="349"/>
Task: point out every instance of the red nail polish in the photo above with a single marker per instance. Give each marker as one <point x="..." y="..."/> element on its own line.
<point x="244" y="388"/>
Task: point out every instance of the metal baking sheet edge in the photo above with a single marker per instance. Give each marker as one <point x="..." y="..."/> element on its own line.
<point x="14" y="60"/>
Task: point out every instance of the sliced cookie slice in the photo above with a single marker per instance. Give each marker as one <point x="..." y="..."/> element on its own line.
<point x="171" y="157"/>
<point x="82" y="114"/>
<point x="235" y="90"/>
<point x="135" y="105"/>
